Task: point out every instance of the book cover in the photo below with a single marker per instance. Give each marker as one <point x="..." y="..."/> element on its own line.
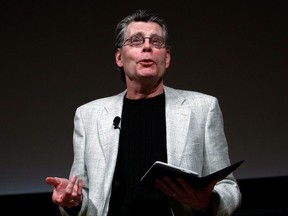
<point x="160" y="169"/>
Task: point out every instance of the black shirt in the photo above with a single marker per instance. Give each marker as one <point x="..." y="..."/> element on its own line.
<point x="142" y="142"/>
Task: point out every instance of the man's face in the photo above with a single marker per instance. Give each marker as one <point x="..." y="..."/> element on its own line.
<point x="146" y="61"/>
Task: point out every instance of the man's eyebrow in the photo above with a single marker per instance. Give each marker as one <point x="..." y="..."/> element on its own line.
<point x="142" y="34"/>
<point x="137" y="34"/>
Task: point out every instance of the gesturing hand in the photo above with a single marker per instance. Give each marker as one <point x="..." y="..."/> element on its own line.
<point x="66" y="193"/>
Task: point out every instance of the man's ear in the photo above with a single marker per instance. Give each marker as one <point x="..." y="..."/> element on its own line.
<point x="118" y="57"/>
<point x="168" y="58"/>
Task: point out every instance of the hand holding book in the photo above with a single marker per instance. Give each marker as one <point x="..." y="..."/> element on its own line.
<point x="160" y="169"/>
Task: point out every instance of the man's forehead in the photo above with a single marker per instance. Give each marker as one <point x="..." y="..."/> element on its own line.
<point x="147" y="28"/>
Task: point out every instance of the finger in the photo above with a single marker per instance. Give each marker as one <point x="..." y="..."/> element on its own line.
<point x="70" y="186"/>
<point x="54" y="181"/>
<point x="77" y="188"/>
<point x="162" y="186"/>
<point x="73" y="179"/>
<point x="165" y="187"/>
<point x="49" y="180"/>
<point x="211" y="185"/>
<point x="80" y="187"/>
<point x="184" y="184"/>
<point x="76" y="195"/>
<point x="174" y="185"/>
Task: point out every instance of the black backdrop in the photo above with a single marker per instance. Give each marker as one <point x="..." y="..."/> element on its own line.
<point x="55" y="57"/>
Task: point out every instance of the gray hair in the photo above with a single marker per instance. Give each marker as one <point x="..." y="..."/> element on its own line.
<point x="138" y="16"/>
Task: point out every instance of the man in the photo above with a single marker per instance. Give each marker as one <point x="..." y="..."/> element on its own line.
<point x="151" y="122"/>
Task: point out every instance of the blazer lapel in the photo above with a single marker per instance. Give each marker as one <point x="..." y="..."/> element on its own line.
<point x="176" y="125"/>
<point x="108" y="136"/>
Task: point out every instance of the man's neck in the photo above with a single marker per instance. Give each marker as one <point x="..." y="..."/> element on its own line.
<point x="142" y="92"/>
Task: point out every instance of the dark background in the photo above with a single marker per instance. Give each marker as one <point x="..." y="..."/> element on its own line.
<point x="55" y="57"/>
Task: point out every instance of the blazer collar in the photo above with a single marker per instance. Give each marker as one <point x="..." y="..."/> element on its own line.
<point x="177" y="124"/>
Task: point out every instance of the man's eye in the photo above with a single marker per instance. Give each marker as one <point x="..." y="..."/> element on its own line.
<point x="136" y="40"/>
<point x="156" y="41"/>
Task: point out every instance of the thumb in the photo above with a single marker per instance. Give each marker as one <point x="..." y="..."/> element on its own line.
<point x="212" y="184"/>
<point x="54" y="181"/>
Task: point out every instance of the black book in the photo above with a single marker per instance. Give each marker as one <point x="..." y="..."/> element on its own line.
<point x="160" y="169"/>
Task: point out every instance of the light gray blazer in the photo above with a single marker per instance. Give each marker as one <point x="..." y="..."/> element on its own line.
<point x="195" y="141"/>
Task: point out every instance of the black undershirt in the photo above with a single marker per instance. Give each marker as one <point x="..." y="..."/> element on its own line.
<point x="142" y="142"/>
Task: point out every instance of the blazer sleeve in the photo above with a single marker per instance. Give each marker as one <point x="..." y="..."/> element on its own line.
<point x="227" y="195"/>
